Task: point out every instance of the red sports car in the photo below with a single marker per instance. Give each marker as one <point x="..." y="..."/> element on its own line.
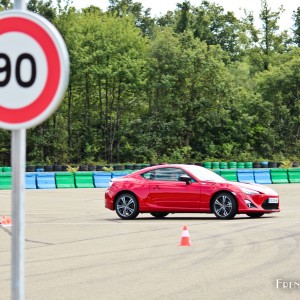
<point x="177" y="188"/>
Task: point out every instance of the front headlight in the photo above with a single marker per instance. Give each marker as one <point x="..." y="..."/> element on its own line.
<point x="249" y="192"/>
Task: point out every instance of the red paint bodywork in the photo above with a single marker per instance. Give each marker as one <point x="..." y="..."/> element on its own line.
<point x="179" y="197"/>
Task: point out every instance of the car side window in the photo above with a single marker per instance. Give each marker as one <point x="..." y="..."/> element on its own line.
<point x="164" y="174"/>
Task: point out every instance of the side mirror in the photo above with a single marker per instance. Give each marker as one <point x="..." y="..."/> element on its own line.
<point x="187" y="179"/>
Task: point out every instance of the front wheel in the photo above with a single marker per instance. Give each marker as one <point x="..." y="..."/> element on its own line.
<point x="127" y="206"/>
<point x="224" y="206"/>
<point x="159" y="215"/>
<point x="255" y="215"/>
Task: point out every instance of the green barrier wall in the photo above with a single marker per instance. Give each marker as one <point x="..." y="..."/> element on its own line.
<point x="279" y="176"/>
<point x="84" y="180"/>
<point x="5" y="181"/>
<point x="230" y="175"/>
<point x="294" y="175"/>
<point x="64" y="180"/>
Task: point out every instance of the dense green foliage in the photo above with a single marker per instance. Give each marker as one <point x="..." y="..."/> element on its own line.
<point x="197" y="83"/>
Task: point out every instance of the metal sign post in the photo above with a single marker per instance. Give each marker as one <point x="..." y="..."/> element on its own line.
<point x="18" y="159"/>
<point x="34" y="68"/>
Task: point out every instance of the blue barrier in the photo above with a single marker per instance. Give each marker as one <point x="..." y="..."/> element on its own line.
<point x="45" y="180"/>
<point x="262" y="176"/>
<point x="102" y="179"/>
<point x="117" y="174"/>
<point x="245" y="175"/>
<point x="30" y="181"/>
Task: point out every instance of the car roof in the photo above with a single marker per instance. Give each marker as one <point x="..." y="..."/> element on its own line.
<point x="181" y="166"/>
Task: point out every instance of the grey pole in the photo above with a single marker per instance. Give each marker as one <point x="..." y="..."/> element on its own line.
<point x="20" y="4"/>
<point x="18" y="158"/>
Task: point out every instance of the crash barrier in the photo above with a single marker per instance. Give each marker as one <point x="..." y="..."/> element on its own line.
<point x="294" y="175"/>
<point x="246" y="175"/>
<point x="262" y="176"/>
<point x="5" y="181"/>
<point x="53" y="180"/>
<point x="45" y="181"/>
<point x="84" y="180"/>
<point x="228" y="174"/>
<point x="279" y="176"/>
<point x="5" y="169"/>
<point x="101" y="179"/>
<point x="65" y="180"/>
<point x="30" y="181"/>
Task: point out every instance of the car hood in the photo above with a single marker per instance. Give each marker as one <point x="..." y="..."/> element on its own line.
<point x="256" y="187"/>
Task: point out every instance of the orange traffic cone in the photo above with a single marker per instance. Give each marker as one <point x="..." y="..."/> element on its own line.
<point x="6" y="221"/>
<point x="3" y="222"/>
<point x="185" y="237"/>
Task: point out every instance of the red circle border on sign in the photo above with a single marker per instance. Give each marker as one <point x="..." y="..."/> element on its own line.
<point x="40" y="104"/>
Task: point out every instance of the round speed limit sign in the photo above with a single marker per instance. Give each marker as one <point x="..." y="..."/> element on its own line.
<point x="34" y="69"/>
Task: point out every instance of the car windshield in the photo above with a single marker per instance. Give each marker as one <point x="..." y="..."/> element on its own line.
<point x="203" y="173"/>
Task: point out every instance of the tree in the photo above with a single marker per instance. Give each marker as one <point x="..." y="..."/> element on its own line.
<point x="270" y="40"/>
<point x="5" y="4"/>
<point x="194" y="84"/>
<point x="296" y="28"/>
<point x="45" y="9"/>
<point x="142" y="18"/>
<point x="184" y="16"/>
<point x="280" y="87"/>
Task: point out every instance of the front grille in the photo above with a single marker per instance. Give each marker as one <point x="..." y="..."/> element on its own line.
<point x="270" y="206"/>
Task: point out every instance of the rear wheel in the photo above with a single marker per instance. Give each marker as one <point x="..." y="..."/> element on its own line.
<point x="127" y="206"/>
<point x="159" y="215"/>
<point x="224" y="206"/>
<point x="255" y="215"/>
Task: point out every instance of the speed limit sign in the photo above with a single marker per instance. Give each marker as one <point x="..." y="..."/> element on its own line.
<point x="34" y="69"/>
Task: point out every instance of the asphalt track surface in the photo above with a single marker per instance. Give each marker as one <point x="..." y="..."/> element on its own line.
<point x="75" y="249"/>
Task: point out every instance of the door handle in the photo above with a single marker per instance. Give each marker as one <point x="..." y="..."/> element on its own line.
<point x="156" y="187"/>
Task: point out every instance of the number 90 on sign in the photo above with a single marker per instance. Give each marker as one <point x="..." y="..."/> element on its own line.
<point x="23" y="70"/>
<point x="7" y="70"/>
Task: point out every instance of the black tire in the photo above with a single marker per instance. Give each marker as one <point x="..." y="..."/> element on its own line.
<point x="91" y="168"/>
<point x="224" y="206"/>
<point x="48" y="168"/>
<point x="159" y="215"/>
<point x="30" y="169"/>
<point x="127" y="206"/>
<point x="99" y="168"/>
<point x="57" y="168"/>
<point x="83" y="168"/>
<point x="255" y="215"/>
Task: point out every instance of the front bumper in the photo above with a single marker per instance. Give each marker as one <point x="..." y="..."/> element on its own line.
<point x="260" y="204"/>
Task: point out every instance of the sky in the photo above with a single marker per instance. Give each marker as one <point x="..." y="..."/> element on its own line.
<point x="160" y="7"/>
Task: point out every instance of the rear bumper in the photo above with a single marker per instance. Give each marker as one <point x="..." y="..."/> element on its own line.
<point x="109" y="201"/>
